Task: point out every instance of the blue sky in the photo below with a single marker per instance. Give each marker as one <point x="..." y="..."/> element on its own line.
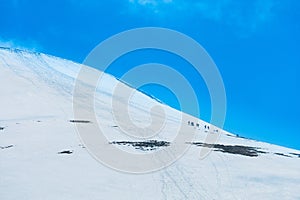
<point x="255" y="45"/>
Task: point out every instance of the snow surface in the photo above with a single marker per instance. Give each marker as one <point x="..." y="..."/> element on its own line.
<point x="42" y="156"/>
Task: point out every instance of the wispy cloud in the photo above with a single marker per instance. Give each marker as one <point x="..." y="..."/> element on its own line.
<point x="245" y="16"/>
<point x="153" y="6"/>
<point x="150" y="2"/>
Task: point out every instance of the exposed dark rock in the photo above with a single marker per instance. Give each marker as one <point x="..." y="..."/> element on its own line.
<point x="66" y="152"/>
<point x="295" y="154"/>
<point x="281" y="154"/>
<point x="143" y="145"/>
<point x="2" y="128"/>
<point x="238" y="136"/>
<point x="80" y="121"/>
<point x="6" y="147"/>
<point x="233" y="149"/>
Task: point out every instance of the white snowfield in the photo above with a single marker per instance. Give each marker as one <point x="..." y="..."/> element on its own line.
<point x="43" y="157"/>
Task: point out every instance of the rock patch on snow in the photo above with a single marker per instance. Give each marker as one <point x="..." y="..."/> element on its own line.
<point x="80" y="121"/>
<point x="282" y="154"/>
<point x="66" y="152"/>
<point x="232" y="149"/>
<point x="6" y="147"/>
<point x="143" y="145"/>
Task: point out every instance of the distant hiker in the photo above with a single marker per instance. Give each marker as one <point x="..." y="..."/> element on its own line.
<point x="192" y="123"/>
<point x="189" y="123"/>
<point x="206" y="128"/>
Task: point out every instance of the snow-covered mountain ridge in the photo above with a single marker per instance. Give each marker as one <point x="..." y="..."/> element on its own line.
<point x="42" y="157"/>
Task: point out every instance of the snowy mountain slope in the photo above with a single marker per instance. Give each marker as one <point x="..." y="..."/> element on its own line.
<point x="42" y="156"/>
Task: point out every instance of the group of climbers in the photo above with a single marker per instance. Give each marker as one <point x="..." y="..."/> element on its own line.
<point x="197" y="125"/>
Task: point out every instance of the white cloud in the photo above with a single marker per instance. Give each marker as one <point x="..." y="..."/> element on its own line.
<point x="151" y="2"/>
<point x="245" y="16"/>
<point x="154" y="6"/>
